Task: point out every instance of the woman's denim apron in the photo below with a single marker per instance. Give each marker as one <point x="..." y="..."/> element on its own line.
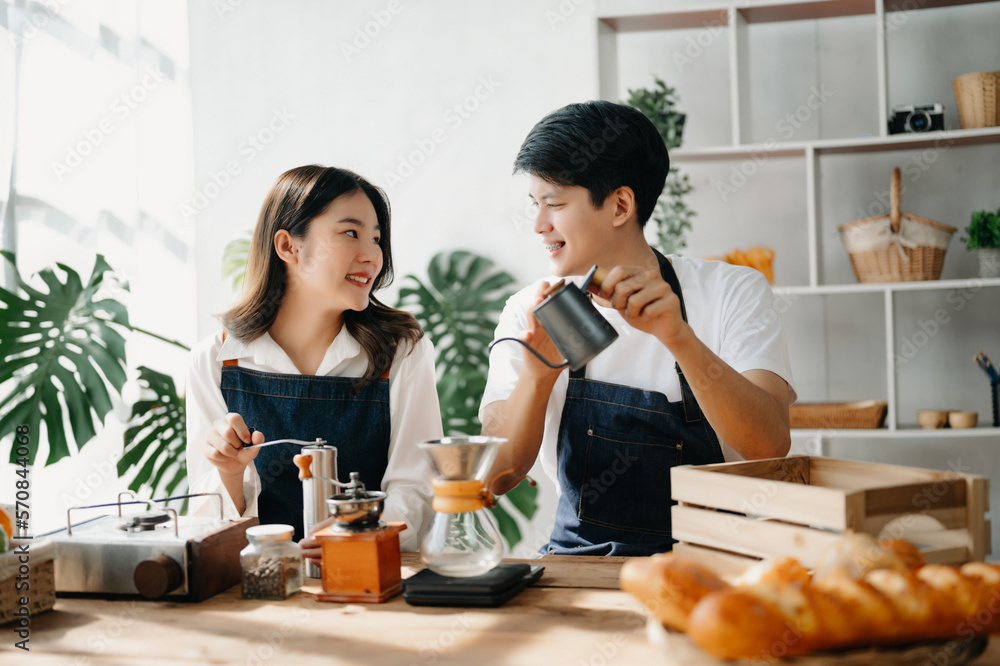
<point x="306" y="407"/>
<point x="615" y="450"/>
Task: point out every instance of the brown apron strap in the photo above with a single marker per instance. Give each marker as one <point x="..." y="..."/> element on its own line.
<point x="231" y="363"/>
<point x="385" y="375"/>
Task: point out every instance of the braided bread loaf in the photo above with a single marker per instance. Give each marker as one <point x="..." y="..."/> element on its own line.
<point x="778" y="609"/>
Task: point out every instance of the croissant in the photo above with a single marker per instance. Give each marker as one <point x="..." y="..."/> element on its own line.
<point x="779" y="609"/>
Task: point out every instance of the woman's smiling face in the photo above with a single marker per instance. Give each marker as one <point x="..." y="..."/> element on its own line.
<point x="340" y="255"/>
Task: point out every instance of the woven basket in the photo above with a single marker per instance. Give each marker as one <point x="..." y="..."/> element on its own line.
<point x="899" y="247"/>
<point x="978" y="98"/>
<point x="41" y="592"/>
<point x="864" y="414"/>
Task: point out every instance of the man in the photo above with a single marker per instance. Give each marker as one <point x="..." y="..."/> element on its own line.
<point x="701" y="356"/>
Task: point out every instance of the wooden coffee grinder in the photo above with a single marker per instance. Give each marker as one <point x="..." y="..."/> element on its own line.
<point x="360" y="552"/>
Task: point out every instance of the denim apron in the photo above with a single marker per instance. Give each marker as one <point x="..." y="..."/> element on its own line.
<point x="615" y="450"/>
<point x="306" y="407"/>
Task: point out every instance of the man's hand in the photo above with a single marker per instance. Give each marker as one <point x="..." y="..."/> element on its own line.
<point x="539" y="340"/>
<point x="646" y="302"/>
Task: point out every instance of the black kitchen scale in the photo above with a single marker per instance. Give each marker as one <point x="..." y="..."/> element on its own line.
<point x="491" y="589"/>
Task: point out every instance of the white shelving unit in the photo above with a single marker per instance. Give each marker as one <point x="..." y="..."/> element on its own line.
<point x="616" y="18"/>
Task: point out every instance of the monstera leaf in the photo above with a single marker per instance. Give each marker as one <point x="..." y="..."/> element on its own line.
<point x="155" y="439"/>
<point x="234" y="260"/>
<point x="61" y="349"/>
<point x="458" y="308"/>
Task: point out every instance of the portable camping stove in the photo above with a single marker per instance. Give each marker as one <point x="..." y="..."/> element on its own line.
<point x="154" y="554"/>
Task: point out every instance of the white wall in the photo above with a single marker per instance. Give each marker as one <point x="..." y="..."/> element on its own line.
<point x="370" y="103"/>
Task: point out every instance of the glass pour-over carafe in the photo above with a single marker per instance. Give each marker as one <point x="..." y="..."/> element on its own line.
<point x="463" y="539"/>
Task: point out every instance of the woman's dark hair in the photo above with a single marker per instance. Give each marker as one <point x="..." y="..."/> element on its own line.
<point x="599" y="146"/>
<point x="298" y="196"/>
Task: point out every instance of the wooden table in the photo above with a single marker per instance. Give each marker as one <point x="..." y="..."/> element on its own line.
<point x="574" y="615"/>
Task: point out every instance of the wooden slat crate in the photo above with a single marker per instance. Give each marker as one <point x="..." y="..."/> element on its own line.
<point x="41" y="580"/>
<point x="799" y="505"/>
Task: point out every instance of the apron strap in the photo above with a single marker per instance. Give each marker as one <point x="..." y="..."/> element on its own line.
<point x="692" y="412"/>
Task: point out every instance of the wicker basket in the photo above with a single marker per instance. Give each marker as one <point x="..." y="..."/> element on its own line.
<point x="896" y="248"/>
<point x="864" y="414"/>
<point x="41" y="592"/>
<point x="978" y="98"/>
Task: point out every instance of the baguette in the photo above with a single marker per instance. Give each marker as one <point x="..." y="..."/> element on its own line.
<point x="885" y="607"/>
<point x="863" y="593"/>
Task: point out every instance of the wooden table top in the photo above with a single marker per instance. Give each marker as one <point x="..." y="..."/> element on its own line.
<point x="574" y="615"/>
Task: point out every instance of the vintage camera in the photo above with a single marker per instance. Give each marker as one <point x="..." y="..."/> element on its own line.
<point x="916" y="118"/>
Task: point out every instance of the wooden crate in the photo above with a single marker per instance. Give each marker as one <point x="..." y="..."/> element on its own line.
<point x="798" y="506"/>
<point x="41" y="580"/>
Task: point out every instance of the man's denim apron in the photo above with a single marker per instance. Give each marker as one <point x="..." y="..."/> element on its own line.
<point x="306" y="407"/>
<point x="615" y="450"/>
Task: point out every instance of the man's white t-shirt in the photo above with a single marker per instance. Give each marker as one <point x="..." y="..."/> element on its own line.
<point x="730" y="308"/>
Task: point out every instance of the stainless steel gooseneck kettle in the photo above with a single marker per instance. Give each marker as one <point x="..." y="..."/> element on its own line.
<point x="572" y="322"/>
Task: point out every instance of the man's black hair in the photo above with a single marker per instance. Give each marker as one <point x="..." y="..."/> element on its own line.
<point x="599" y="146"/>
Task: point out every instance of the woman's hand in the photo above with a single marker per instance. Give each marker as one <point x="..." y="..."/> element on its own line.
<point x="224" y="446"/>
<point x="311" y="547"/>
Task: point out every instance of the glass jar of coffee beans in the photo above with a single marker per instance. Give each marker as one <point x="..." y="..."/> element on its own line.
<point x="271" y="564"/>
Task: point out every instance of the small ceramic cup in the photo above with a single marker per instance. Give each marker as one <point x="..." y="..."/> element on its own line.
<point x="930" y="419"/>
<point x="963" y="419"/>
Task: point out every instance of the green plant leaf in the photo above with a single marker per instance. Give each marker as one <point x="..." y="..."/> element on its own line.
<point x="658" y="105"/>
<point x="672" y="217"/>
<point x="62" y="341"/>
<point x="156" y="435"/>
<point x="507" y="526"/>
<point x="983" y="231"/>
<point x="458" y="308"/>
<point x="524" y="496"/>
<point x="234" y="260"/>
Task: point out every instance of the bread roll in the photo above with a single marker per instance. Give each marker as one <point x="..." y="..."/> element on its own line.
<point x="669" y="586"/>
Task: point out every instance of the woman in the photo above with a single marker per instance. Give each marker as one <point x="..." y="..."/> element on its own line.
<point x="309" y="352"/>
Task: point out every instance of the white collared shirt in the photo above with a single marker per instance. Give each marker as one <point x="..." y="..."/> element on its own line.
<point x="413" y="410"/>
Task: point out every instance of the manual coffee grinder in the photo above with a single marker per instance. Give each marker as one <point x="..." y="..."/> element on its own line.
<point x="319" y="484"/>
<point x="359" y="551"/>
<point x="462" y="540"/>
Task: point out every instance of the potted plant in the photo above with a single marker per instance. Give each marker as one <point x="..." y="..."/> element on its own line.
<point x="983" y="234"/>
<point x="671" y="215"/>
<point x="658" y="105"/>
